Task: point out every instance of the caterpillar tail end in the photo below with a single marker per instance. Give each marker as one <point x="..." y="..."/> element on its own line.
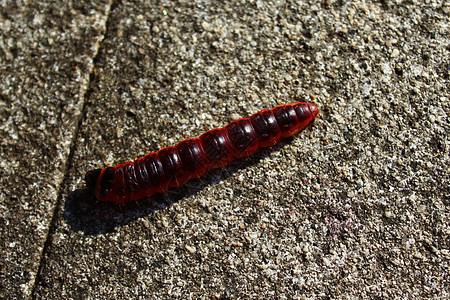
<point x="91" y="179"/>
<point x="314" y="109"/>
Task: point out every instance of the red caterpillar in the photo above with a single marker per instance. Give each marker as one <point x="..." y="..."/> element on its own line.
<point x="192" y="158"/>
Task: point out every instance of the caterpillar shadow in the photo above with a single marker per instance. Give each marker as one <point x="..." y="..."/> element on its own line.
<point x="84" y="213"/>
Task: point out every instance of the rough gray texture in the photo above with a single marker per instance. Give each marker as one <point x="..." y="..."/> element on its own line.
<point x="356" y="205"/>
<point x="46" y="52"/>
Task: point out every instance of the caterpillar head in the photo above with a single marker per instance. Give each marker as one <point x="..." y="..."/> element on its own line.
<point x="92" y="179"/>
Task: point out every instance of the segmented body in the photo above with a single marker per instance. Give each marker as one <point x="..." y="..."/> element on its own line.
<point x="192" y="158"/>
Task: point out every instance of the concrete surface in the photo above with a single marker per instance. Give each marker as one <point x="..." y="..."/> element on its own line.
<point x="356" y="205"/>
<point x="46" y="56"/>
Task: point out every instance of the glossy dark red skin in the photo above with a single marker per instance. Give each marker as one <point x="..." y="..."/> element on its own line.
<point x="192" y="158"/>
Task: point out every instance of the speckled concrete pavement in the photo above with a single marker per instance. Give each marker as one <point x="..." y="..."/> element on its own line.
<point x="356" y="205"/>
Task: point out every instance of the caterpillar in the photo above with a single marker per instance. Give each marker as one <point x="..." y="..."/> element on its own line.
<point x="171" y="167"/>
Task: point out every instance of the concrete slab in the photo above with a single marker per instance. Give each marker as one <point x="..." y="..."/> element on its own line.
<point x="354" y="206"/>
<point x="46" y="55"/>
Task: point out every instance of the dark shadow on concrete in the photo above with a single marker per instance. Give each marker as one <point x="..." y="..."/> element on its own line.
<point x="85" y="213"/>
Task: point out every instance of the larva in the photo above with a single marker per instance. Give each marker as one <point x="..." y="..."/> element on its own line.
<point x="192" y="158"/>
